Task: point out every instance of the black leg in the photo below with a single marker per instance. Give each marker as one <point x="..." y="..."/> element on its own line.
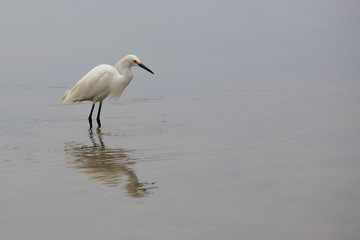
<point x="90" y="119"/>
<point x="98" y="116"/>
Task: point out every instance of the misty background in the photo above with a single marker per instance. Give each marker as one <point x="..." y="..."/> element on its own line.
<point x="249" y="128"/>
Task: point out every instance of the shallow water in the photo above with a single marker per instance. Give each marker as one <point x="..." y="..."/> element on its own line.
<point x="206" y="166"/>
<point x="234" y="137"/>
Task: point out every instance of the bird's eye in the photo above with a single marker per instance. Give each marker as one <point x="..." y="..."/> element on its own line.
<point x="134" y="61"/>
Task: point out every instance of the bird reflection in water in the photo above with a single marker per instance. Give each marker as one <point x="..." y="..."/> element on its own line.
<point x="110" y="166"/>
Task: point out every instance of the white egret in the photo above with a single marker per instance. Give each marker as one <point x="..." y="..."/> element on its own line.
<point x="103" y="81"/>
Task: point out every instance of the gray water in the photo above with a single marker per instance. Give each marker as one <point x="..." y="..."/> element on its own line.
<point x="249" y="128"/>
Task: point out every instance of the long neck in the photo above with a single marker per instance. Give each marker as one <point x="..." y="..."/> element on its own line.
<point x="127" y="73"/>
<point x="123" y="81"/>
<point x="125" y="68"/>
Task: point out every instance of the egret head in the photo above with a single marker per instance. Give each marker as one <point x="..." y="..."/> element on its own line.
<point x="133" y="60"/>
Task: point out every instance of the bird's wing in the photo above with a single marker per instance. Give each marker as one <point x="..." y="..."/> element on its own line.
<point x="92" y="87"/>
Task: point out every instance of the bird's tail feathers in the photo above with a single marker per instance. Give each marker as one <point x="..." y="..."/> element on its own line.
<point x="69" y="96"/>
<point x="64" y="100"/>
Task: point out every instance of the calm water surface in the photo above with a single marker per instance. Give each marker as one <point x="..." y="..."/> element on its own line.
<point x="262" y="146"/>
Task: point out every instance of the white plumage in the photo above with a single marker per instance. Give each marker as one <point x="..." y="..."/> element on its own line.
<point x="103" y="81"/>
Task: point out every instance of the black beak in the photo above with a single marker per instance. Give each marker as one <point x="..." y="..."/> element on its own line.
<point x="144" y="67"/>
